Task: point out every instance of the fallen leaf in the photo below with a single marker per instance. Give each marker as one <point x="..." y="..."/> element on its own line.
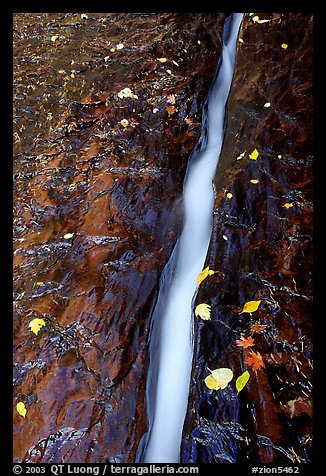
<point x="40" y="283"/>
<point x="162" y="60"/>
<point x="112" y="50"/>
<point x="124" y="122"/>
<point x="241" y="40"/>
<point x="245" y="342"/>
<point x="284" y="46"/>
<point x="72" y="75"/>
<point x="155" y="110"/>
<point x="203" y="311"/>
<point x="169" y="71"/>
<point x="229" y="195"/>
<point x="241" y="155"/>
<point x="223" y="376"/>
<point x="83" y="15"/>
<point x="267" y="104"/>
<point x="54" y="38"/>
<point x="21" y="409"/>
<point x="36" y="324"/>
<point x="68" y="235"/>
<point x="256" y="327"/>
<point x="254" y="360"/>
<point x="174" y="62"/>
<point x="170" y="110"/>
<point x="106" y="58"/>
<point x="126" y="93"/>
<point x="250" y="306"/>
<point x="171" y="99"/>
<point x="120" y="46"/>
<point x="225" y="237"/>
<point x="279" y="156"/>
<point x="203" y="274"/>
<point x="288" y="205"/>
<point x="254" y="154"/>
<point x="254" y="181"/>
<point x="211" y="383"/>
<point x="255" y="18"/>
<point x="241" y="381"/>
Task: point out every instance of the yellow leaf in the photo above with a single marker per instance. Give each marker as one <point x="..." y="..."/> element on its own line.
<point x="225" y="237"/>
<point x="162" y="60"/>
<point x="203" y="274"/>
<point x="212" y="383"/>
<point x="223" y="376"/>
<point x="254" y="181"/>
<point x="40" y="283"/>
<point x="169" y="71"/>
<point x="124" y="122"/>
<point x="288" y="205"/>
<point x="242" y="381"/>
<point x="240" y="156"/>
<point x="284" y="46"/>
<point x="255" y="18"/>
<point x="36" y="324"/>
<point x="72" y="75"/>
<point x="68" y="235"/>
<point x="254" y="154"/>
<point x="250" y="306"/>
<point x="279" y="156"/>
<point x="120" y="46"/>
<point x="203" y="311"/>
<point x="54" y="38"/>
<point x="229" y="195"/>
<point x="21" y="409"/>
<point x="240" y="40"/>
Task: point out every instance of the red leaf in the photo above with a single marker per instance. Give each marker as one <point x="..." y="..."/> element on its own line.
<point x="256" y="327"/>
<point x="245" y="342"/>
<point x="254" y="360"/>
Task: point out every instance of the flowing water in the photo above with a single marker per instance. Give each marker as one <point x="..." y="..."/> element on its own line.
<point x="171" y="333"/>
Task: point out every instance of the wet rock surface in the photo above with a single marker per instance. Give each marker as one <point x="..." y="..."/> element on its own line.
<point x="261" y="249"/>
<point x="107" y="108"/>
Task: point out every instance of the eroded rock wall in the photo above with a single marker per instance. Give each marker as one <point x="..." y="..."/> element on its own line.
<point x="261" y="249"/>
<point x="107" y="111"/>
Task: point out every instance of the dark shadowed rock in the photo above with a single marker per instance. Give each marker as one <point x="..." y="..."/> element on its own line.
<point x="107" y="110"/>
<point x="261" y="249"/>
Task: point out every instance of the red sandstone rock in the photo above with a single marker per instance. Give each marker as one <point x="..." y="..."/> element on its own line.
<point x="108" y="172"/>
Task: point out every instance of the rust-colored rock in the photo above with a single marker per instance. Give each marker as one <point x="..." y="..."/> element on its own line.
<point x="267" y="256"/>
<point x="98" y="178"/>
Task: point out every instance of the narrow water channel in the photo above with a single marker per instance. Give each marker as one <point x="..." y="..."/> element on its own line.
<point x="172" y="326"/>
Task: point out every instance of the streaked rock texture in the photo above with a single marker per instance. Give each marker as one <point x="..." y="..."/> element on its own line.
<point x="261" y="249"/>
<point x="97" y="183"/>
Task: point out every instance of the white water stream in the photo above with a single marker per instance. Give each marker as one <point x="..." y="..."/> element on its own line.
<point x="172" y="326"/>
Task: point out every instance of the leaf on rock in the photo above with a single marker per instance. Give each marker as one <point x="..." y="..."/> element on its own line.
<point x="250" y="306"/>
<point x="211" y="383"/>
<point x="36" y="324"/>
<point x="203" y="311"/>
<point x="203" y="274"/>
<point x="254" y="360"/>
<point x="21" y="409"/>
<point x="256" y="327"/>
<point x="245" y="342"/>
<point x="242" y="381"/>
<point x="223" y="376"/>
<point x="254" y="154"/>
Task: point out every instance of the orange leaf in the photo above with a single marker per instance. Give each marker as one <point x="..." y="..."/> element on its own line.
<point x="254" y="360"/>
<point x="256" y="327"/>
<point x="245" y="342"/>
